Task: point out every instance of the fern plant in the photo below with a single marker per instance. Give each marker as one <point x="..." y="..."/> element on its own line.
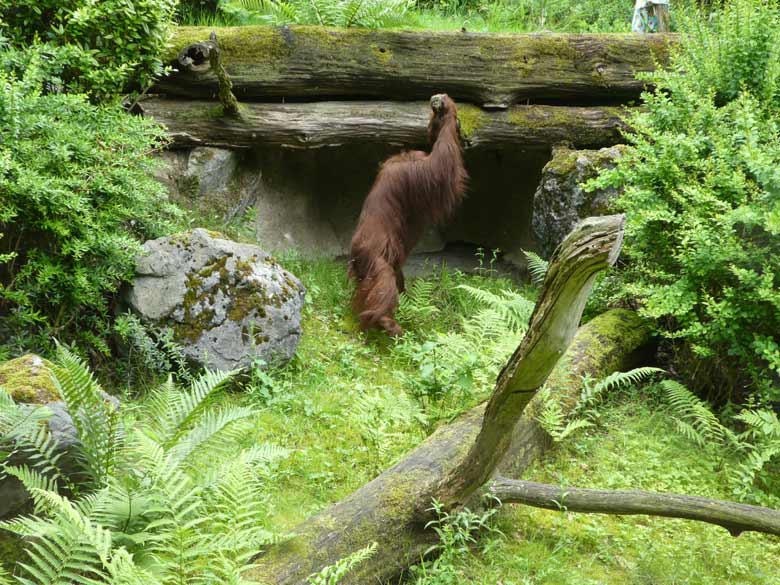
<point x="416" y="305"/>
<point x="752" y="451"/>
<point x="559" y="426"/>
<point x="345" y="13"/>
<point x="173" y="497"/>
<point x="537" y="266"/>
<point x="465" y="361"/>
<point x="693" y="417"/>
<point x="24" y="436"/>
<point x="332" y="574"/>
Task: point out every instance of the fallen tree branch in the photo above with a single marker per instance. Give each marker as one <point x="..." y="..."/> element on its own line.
<point x="225" y="85"/>
<point x="734" y="517"/>
<point x="457" y="459"/>
<point x="487" y="69"/>
<point x="318" y="124"/>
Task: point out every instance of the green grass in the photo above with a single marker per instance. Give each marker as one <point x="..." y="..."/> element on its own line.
<point x="635" y="448"/>
<point x="313" y="407"/>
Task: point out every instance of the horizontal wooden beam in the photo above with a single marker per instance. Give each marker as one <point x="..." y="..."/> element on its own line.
<point x="496" y="70"/>
<point x="318" y="124"/>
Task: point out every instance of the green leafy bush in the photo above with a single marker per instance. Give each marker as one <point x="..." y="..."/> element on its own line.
<point x="702" y="195"/>
<point x="77" y="197"/>
<point x="93" y="47"/>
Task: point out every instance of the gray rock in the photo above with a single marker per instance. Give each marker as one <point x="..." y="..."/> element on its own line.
<point x="227" y="303"/>
<point x="13" y="495"/>
<point x="560" y="201"/>
<point x="207" y="180"/>
<point x="212" y="168"/>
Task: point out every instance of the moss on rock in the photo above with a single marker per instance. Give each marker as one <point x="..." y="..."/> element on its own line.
<point x="28" y="379"/>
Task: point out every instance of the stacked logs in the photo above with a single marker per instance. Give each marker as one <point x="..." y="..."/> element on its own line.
<point x="308" y="87"/>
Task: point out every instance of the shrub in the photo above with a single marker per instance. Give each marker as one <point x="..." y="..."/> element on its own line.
<point x="702" y="195"/>
<point x="77" y="197"/>
<point x="94" y="47"/>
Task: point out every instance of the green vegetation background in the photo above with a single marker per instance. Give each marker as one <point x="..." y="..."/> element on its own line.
<point x="77" y="200"/>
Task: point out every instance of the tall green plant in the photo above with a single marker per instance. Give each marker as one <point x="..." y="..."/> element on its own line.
<point x="702" y="194"/>
<point x="77" y="197"/>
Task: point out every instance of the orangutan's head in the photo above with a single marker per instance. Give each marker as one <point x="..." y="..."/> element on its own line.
<point x="443" y="111"/>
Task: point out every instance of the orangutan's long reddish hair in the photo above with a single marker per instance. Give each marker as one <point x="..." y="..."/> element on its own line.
<point x="412" y="190"/>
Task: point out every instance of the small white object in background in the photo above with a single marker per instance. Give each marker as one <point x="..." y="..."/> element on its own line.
<point x="650" y="16"/>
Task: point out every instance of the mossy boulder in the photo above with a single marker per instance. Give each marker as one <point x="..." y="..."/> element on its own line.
<point x="28" y="379"/>
<point x="227" y="303"/>
<point x="560" y="201"/>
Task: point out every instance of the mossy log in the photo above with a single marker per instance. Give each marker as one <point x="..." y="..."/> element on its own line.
<point x="488" y="69"/>
<point x="457" y="460"/>
<point x="615" y="341"/>
<point x="318" y="124"/>
<point x="734" y="517"/>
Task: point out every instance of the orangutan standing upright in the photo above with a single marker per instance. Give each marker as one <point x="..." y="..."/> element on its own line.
<point x="412" y="190"/>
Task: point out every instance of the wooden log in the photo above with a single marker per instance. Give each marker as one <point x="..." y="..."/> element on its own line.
<point x="318" y="124"/>
<point x="614" y="341"/>
<point x="495" y="70"/>
<point x="591" y="247"/>
<point x="734" y="517"/>
<point x="452" y="463"/>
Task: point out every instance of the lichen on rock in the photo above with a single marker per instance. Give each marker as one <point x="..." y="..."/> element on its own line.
<point x="227" y="303"/>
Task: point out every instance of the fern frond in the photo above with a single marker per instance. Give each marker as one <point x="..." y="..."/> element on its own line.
<point x="514" y="308"/>
<point x="696" y="420"/>
<point x="591" y="393"/>
<point x="33" y="481"/>
<point x="5" y="577"/>
<point x="219" y="424"/>
<point x="24" y="428"/>
<point x="96" y="420"/>
<point x="416" y="304"/>
<point x="537" y="266"/>
<point x="73" y="551"/>
<point x="332" y="574"/>
<point x="122" y="570"/>
<point x="762" y="424"/>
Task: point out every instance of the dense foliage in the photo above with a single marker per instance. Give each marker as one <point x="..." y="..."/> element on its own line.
<point x="347" y="13"/>
<point x="77" y="196"/>
<point x="474" y="15"/>
<point x="702" y="193"/>
<point x="92" y="47"/>
<point x="172" y="495"/>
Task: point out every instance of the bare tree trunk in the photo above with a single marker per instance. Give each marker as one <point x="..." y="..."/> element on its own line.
<point x="497" y="70"/>
<point x="459" y="458"/>
<point x="734" y="517"/>
<point x="318" y="124"/>
<point x="615" y="341"/>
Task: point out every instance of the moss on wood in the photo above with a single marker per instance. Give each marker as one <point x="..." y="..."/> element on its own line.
<point x="266" y="61"/>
